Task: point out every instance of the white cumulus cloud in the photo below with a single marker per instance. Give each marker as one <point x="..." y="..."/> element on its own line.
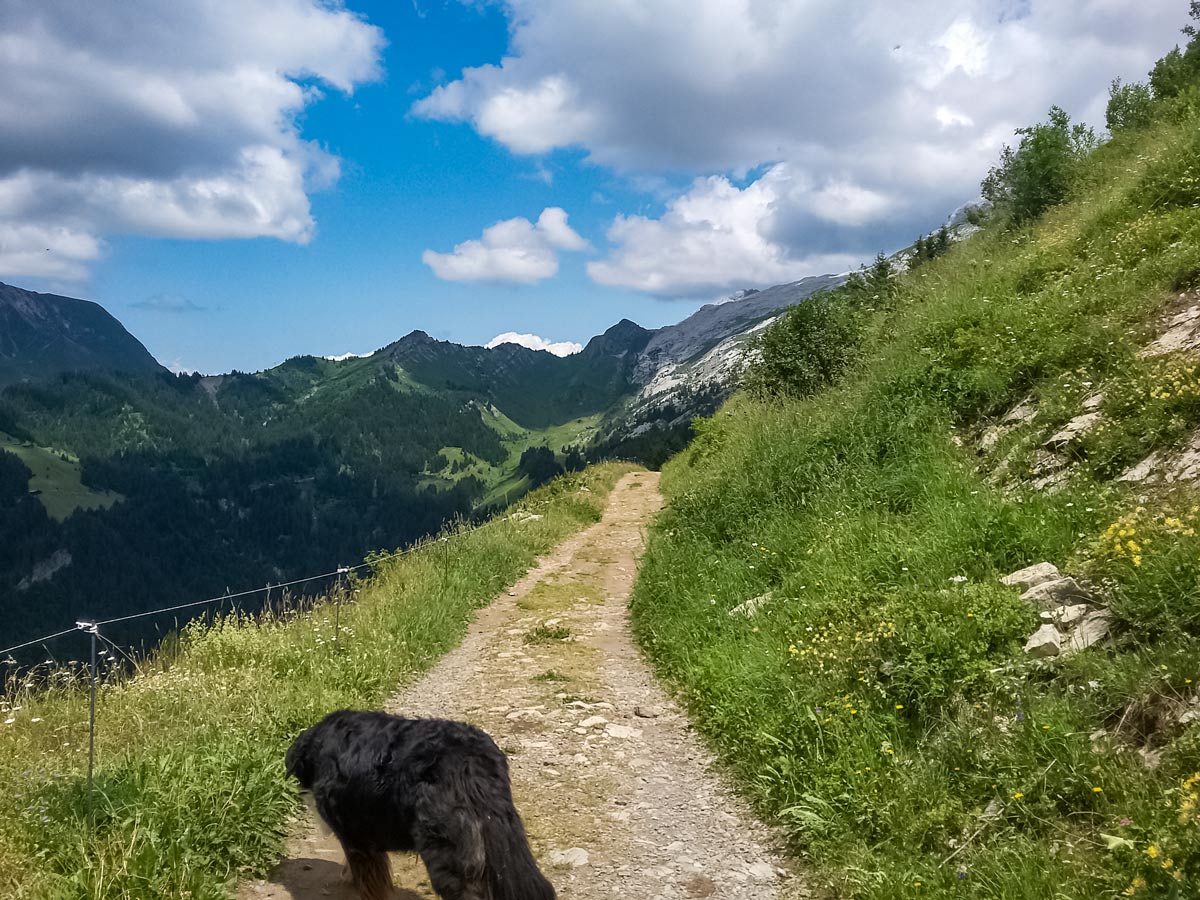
<point x="514" y="250"/>
<point x="164" y="119"/>
<point x="718" y="236"/>
<point x="886" y="115"/>
<point x="45" y="251"/>
<point x="533" y="342"/>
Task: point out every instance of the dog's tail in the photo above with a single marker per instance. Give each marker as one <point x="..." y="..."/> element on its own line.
<point x="471" y="836"/>
<point x="500" y="844"/>
<point x="512" y="873"/>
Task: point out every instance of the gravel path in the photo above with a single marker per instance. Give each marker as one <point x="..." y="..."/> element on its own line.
<point x="619" y="797"/>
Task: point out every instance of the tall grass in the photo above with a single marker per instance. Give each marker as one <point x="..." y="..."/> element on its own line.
<point x="190" y="789"/>
<point x="880" y="707"/>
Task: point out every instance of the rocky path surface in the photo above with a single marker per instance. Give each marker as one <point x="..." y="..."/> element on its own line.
<point x="619" y="797"/>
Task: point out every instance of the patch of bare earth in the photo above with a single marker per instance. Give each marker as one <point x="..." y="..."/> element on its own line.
<point x="619" y="797"/>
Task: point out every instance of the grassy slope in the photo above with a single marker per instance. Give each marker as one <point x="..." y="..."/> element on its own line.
<point x="312" y="380"/>
<point x="504" y="481"/>
<point x="881" y="705"/>
<point x="57" y="480"/>
<point x="190" y="753"/>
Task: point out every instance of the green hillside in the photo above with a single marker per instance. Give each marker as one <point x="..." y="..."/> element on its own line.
<point x="534" y="388"/>
<point x="245" y="481"/>
<point x="1030" y="396"/>
<point x="55" y="477"/>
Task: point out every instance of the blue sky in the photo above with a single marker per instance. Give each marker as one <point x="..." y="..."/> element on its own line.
<point x="407" y="184"/>
<point x="240" y="182"/>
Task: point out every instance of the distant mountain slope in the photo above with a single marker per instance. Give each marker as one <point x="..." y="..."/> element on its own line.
<point x="45" y="334"/>
<point x="711" y="324"/>
<point x="688" y="369"/>
<point x="183" y="485"/>
<point x="534" y="388"/>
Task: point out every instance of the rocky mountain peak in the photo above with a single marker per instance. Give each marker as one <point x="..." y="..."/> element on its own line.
<point x="46" y="334"/>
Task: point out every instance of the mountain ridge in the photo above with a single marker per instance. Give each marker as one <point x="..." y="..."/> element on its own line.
<point x="47" y="334"/>
<point x="253" y="477"/>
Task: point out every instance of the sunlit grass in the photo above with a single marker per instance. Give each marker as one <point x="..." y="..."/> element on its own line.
<point x="190" y="789"/>
<point x="879" y="706"/>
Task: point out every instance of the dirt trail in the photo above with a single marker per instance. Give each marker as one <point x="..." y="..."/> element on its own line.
<point x="620" y="799"/>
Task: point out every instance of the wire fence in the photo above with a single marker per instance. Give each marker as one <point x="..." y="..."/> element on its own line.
<point x="266" y="589"/>
<point x="92" y="629"/>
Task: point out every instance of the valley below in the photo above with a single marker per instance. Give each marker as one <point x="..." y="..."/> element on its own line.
<point x="127" y="487"/>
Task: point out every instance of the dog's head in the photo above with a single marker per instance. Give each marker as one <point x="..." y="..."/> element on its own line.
<point x="299" y="762"/>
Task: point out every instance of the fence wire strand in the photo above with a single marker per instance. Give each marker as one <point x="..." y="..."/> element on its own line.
<point x="40" y="640"/>
<point x="340" y="570"/>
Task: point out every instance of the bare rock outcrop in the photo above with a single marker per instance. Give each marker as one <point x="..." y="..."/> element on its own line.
<point x="1072" y="618"/>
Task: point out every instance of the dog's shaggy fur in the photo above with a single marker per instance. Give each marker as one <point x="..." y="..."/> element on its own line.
<point x="436" y="787"/>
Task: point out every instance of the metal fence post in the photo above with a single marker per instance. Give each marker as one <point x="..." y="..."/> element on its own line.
<point x="92" y="629"/>
<point x="342" y="571"/>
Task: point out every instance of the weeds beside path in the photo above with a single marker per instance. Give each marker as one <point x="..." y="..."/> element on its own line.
<point x="618" y="795"/>
<point x="191" y="792"/>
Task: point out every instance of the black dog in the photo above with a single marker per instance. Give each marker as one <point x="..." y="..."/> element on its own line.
<point x="432" y="786"/>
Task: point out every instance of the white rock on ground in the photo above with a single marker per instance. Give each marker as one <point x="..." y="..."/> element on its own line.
<point x="1045" y="463"/>
<point x="1091" y="630"/>
<point x="1059" y="592"/>
<point x="1183" y="333"/>
<point x="1069" y="433"/>
<point x="1158" y="466"/>
<point x="572" y="858"/>
<point x="1031" y="576"/>
<point x="1046" y="641"/>
<point x="992" y="436"/>
<point x="1025" y="411"/>
<point x="622" y="732"/>
<point x="1065" y="616"/>
<point x="750" y="608"/>
<point x="1145" y="470"/>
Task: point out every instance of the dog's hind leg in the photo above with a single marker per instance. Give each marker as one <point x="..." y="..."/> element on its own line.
<point x="448" y="876"/>
<point x="371" y="873"/>
<point x="452" y="850"/>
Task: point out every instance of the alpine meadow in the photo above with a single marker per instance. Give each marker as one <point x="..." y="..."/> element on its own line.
<point x="821" y="570"/>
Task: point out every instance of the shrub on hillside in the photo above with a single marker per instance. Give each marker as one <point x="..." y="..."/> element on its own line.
<point x="1129" y="106"/>
<point x="1152" y="558"/>
<point x="1172" y="74"/>
<point x="1039" y="172"/>
<point x="929" y="248"/>
<point x="1179" y="69"/>
<point x="807" y="349"/>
